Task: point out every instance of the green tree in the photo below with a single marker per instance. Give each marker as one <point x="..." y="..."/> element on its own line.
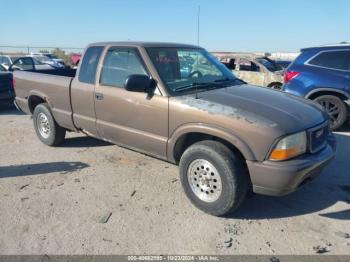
<point x="61" y="54"/>
<point x="44" y="51"/>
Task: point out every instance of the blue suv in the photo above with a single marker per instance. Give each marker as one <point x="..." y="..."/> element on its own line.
<point x="323" y="75"/>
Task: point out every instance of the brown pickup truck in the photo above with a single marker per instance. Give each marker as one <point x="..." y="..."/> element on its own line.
<point x="178" y="103"/>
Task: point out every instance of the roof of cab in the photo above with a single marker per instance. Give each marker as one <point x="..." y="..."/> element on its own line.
<point x="144" y="44"/>
<point x="327" y="47"/>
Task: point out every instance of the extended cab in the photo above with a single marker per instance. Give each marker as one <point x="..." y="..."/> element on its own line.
<point x="178" y="103"/>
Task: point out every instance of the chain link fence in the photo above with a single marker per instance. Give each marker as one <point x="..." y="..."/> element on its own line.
<point x="12" y="49"/>
<point x="64" y="53"/>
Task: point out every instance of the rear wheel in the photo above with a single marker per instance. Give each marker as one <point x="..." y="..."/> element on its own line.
<point x="213" y="177"/>
<point x="46" y="128"/>
<point x="335" y="108"/>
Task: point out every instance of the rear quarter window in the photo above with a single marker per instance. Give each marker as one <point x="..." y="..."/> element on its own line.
<point x="87" y="73"/>
<point x="332" y="59"/>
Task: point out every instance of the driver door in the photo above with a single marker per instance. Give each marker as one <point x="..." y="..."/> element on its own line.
<point x="133" y="119"/>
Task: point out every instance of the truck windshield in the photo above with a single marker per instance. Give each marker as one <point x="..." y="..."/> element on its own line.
<point x="189" y="69"/>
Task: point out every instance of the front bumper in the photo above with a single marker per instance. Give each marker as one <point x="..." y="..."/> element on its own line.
<point x="280" y="178"/>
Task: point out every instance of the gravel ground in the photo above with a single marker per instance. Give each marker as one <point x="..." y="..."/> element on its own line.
<point x="91" y="197"/>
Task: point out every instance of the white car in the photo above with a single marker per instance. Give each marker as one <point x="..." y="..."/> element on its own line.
<point x="50" y="56"/>
<point x="54" y="58"/>
<point x="5" y="61"/>
<point x="3" y="68"/>
<point x="29" y="63"/>
<point x="46" y="60"/>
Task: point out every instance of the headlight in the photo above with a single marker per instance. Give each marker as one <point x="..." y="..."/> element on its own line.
<point x="289" y="147"/>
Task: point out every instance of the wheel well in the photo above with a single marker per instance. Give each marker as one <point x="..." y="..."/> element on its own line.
<point x="33" y="101"/>
<point x="189" y="139"/>
<point x="322" y="93"/>
<point x="274" y="83"/>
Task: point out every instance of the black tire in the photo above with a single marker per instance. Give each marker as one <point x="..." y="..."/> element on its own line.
<point x="56" y="134"/>
<point x="335" y="108"/>
<point x="275" y="86"/>
<point x="231" y="169"/>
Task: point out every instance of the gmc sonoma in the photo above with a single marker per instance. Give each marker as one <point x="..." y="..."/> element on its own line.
<point x="178" y="103"/>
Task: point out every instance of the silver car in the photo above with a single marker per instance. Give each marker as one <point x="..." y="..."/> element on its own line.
<point x="29" y="63"/>
<point x="46" y="60"/>
<point x="5" y="61"/>
<point x="254" y="69"/>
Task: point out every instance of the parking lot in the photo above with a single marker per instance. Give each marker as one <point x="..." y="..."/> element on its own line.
<point x="92" y="197"/>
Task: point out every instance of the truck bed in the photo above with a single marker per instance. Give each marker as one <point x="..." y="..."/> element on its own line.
<point x="54" y="85"/>
<point x="68" y="72"/>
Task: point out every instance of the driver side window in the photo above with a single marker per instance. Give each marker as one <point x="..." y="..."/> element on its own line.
<point x="119" y="64"/>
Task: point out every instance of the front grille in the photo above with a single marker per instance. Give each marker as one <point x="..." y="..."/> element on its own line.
<point x="318" y="137"/>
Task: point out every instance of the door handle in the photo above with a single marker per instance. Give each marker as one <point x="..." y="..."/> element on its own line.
<point x="99" y="96"/>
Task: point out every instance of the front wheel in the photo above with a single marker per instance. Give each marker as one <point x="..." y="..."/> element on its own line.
<point x="213" y="177"/>
<point x="335" y="108"/>
<point x="46" y="128"/>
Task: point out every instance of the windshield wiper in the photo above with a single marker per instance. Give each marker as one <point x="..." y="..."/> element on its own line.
<point x="223" y="80"/>
<point x="194" y="84"/>
<point x="230" y="80"/>
<point x="209" y="85"/>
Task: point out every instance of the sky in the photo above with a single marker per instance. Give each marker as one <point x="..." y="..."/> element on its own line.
<point x="225" y="25"/>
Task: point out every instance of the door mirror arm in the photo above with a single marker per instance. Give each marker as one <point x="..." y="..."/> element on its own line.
<point x="152" y="87"/>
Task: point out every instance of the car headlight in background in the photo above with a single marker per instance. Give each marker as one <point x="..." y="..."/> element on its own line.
<point x="289" y="147"/>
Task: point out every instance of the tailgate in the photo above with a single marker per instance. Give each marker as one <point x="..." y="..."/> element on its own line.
<point x="6" y="86"/>
<point x="5" y="82"/>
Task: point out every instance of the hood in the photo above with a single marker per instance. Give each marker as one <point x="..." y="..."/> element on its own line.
<point x="277" y="109"/>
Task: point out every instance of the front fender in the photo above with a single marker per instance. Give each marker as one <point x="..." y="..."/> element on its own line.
<point x="216" y="131"/>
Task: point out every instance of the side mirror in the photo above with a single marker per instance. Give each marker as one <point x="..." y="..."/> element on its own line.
<point x="140" y="83"/>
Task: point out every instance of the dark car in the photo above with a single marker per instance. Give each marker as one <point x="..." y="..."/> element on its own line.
<point x="322" y="74"/>
<point x="283" y="63"/>
<point x="6" y="85"/>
